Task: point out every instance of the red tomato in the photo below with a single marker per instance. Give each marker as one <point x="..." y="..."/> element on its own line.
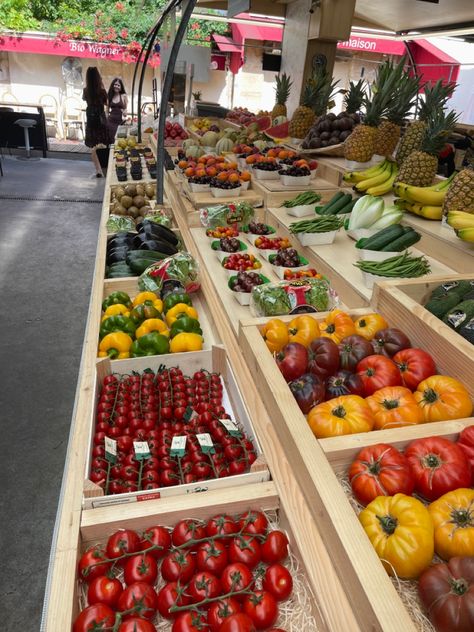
<point x="221" y="610"/>
<point x="238" y="623"/>
<point x="236" y="577"/>
<point x="253" y="522"/>
<point x="202" y="586"/>
<point x="141" y="598"/>
<point x="278" y="581"/>
<point x="140" y="568"/>
<point x="380" y="470"/>
<point x="94" y="616"/>
<point x="178" y="565"/>
<point x="104" y="590"/>
<point x="122" y="541"/>
<point x="190" y="622"/>
<point x="221" y="524"/>
<point x="275" y="547"/>
<point x="172" y="594"/>
<point x="262" y="608"/>
<point x="466" y="443"/>
<point x="415" y="365"/>
<point x="136" y="625"/>
<point x="156" y="537"/>
<point x="212" y="556"/>
<point x="292" y="361"/>
<point x="245" y="549"/>
<point x="438" y="465"/>
<point x="378" y="371"/>
<point x="186" y="530"/>
<point x="90" y="566"/>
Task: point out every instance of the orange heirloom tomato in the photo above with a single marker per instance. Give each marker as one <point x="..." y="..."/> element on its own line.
<point x="303" y="329"/>
<point x="338" y="325"/>
<point x="348" y="414"/>
<point x="441" y="398"/>
<point x="369" y="324"/>
<point x="453" y="519"/>
<point x="393" y="407"/>
<point x="275" y="334"/>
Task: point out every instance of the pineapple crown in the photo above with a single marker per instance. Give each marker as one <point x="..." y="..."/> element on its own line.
<point x="322" y="91"/>
<point x="377" y="102"/>
<point x="403" y="99"/>
<point x="438" y="127"/>
<point x="354" y="96"/>
<point x="436" y="96"/>
<point x="282" y="88"/>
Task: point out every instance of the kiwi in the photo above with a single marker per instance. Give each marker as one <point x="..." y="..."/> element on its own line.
<point x="131" y="190"/>
<point x="139" y="201"/>
<point x="141" y="190"/>
<point x="119" y="192"/>
<point x="150" y="190"/>
<point x="126" y="201"/>
<point x="133" y="211"/>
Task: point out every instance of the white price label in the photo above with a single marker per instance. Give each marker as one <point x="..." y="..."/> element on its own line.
<point x="205" y="441"/>
<point x="231" y="427"/>
<point x="142" y="450"/>
<point x="110" y="449"/>
<point x="178" y="445"/>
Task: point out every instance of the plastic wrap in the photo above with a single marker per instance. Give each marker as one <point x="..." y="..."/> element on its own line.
<point x="117" y="223"/>
<point x="181" y="268"/>
<point x="293" y="297"/>
<point x="227" y="215"/>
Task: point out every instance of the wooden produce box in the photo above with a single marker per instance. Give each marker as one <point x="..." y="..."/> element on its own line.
<point x="315" y="461"/>
<point x="97" y="525"/>
<point x="405" y="299"/>
<point x="213" y="360"/>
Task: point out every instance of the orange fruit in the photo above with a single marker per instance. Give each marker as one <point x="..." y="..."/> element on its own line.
<point x="189" y="172"/>
<point x="234" y="177"/>
<point x="222" y="176"/>
<point x="246" y="176"/>
<point x="211" y="171"/>
<point x="251" y="159"/>
<point x="182" y="164"/>
<point x="283" y="154"/>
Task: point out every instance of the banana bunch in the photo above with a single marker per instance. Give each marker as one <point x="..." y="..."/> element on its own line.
<point x="463" y="224"/>
<point x="377" y="180"/>
<point x="422" y="201"/>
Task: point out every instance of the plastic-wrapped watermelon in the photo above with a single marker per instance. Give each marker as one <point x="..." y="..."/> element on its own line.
<point x="278" y="133"/>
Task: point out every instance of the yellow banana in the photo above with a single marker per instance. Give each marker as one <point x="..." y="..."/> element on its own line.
<point x="466" y="234"/>
<point x="422" y="195"/>
<point x="431" y="212"/>
<point x="460" y="219"/>
<point x="385" y="187"/>
<point x="374" y="180"/>
<point x="358" y="176"/>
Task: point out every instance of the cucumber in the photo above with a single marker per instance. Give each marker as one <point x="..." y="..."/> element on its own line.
<point x="460" y="315"/>
<point x="405" y="241"/>
<point x="460" y="287"/>
<point x="441" y="305"/>
<point x="148" y="254"/>
<point x="382" y="238"/>
<point x="348" y="208"/>
<point x="339" y="205"/>
<point x="140" y="265"/>
<point x="335" y="198"/>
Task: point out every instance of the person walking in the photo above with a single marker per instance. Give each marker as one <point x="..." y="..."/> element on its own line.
<point x="97" y="131"/>
<point x="118" y="102"/>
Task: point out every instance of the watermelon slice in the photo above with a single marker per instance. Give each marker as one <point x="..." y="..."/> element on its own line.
<point x="278" y="132"/>
<point x="264" y="122"/>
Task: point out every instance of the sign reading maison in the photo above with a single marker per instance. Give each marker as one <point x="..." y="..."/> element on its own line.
<point x="373" y="45"/>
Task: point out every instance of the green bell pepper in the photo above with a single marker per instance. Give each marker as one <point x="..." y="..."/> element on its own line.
<point x="150" y="344"/>
<point x="117" y="323"/>
<point x="143" y="312"/>
<point x="174" y="298"/>
<point x="116" y="297"/>
<point x="185" y="324"/>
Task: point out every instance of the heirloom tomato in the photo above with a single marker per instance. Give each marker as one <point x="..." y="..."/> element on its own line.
<point x="389" y="341"/>
<point x="344" y="383"/>
<point x="447" y="593"/>
<point x="348" y="414"/>
<point x="308" y="390"/>
<point x="303" y="329"/>
<point x="453" y="519"/>
<point x="275" y="334"/>
<point x="442" y="398"/>
<point x="369" y="324"/>
<point x="401" y="532"/>
<point x="292" y="361"/>
<point x="377" y="371"/>
<point x="96" y="617"/>
<point x="380" y="470"/>
<point x="415" y="365"/>
<point x="438" y="466"/>
<point x="352" y="350"/>
<point x="323" y="357"/>
<point x="338" y="325"/>
<point x="466" y="443"/>
<point x="394" y="407"/>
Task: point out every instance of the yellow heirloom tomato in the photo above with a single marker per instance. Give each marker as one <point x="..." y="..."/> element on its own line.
<point x="453" y="519"/>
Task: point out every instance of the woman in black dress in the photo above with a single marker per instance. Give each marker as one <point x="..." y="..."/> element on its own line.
<point x="117" y="105"/>
<point x="97" y="132"/>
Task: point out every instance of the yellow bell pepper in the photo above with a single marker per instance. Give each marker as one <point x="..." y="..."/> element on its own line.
<point x="158" y="304"/>
<point x="186" y="342"/>
<point x="401" y="531"/>
<point x="144" y="297"/>
<point x="181" y="308"/>
<point x="152" y="324"/>
<point x="275" y="334"/>
<point x="116" y="310"/>
<point x="115" y="346"/>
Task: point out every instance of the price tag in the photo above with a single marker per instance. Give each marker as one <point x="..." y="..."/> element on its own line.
<point x="205" y="442"/>
<point x="189" y="414"/>
<point x="142" y="451"/>
<point x="178" y="446"/>
<point x="110" y="450"/>
<point x="231" y="427"/>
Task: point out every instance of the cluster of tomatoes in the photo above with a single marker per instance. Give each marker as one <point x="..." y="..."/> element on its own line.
<point x="154" y="408"/>
<point x="290" y="275"/>
<point x="241" y="262"/>
<point x="272" y="243"/>
<point x="222" y="575"/>
<point x="222" y="231"/>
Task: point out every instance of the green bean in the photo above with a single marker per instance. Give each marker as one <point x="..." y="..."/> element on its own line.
<point x="303" y="199"/>
<point x="399" y="266"/>
<point x="322" y="224"/>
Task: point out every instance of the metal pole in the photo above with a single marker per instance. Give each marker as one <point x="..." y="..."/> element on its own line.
<point x="165" y="93"/>
<point x="137" y="63"/>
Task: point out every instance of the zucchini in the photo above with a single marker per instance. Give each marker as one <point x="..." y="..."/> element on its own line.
<point x="348" y="208"/>
<point x="335" y="198"/>
<point x="460" y="315"/>
<point x="337" y="206"/>
<point x="441" y="305"/>
<point x="404" y="241"/>
<point x="149" y="254"/>
<point x="467" y="331"/>
<point x="460" y="287"/>
<point x="382" y="238"/>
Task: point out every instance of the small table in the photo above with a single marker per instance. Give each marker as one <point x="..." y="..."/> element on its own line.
<point x="11" y="135"/>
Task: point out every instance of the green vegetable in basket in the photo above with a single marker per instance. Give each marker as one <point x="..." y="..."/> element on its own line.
<point x="322" y="224"/>
<point x="303" y="199"/>
<point x="116" y="223"/>
<point x="402" y="266"/>
<point x="460" y="315"/>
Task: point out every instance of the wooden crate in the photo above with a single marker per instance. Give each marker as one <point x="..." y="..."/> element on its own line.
<point x="97" y="525"/>
<point x="216" y="360"/>
<point x="316" y="474"/>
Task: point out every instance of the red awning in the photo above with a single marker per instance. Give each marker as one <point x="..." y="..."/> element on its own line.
<point x="432" y="63"/>
<point x="225" y="44"/>
<point x="261" y="33"/>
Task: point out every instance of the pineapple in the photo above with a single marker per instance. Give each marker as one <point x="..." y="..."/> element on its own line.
<point x="354" y="97"/>
<point x="435" y="98"/>
<point x="360" y="145"/>
<point x="388" y="132"/>
<point x="283" y="87"/>
<point x="420" y="167"/>
<point x="317" y="92"/>
<point x="460" y="195"/>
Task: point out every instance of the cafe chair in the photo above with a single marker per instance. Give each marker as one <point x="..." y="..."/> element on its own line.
<point x="72" y="116"/>
<point x="8" y="97"/>
<point x="50" y="109"/>
<point x="26" y="123"/>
